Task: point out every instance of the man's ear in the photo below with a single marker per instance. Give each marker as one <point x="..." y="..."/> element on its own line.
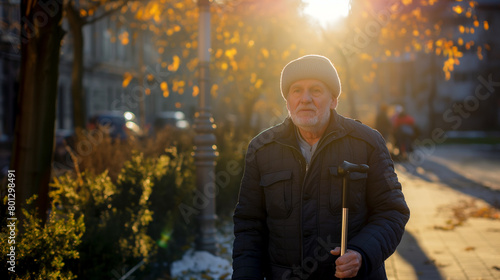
<point x="334" y="103"/>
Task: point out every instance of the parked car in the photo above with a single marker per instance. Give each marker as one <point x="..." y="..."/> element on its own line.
<point x="170" y="118"/>
<point x="116" y="123"/>
<point x="63" y="138"/>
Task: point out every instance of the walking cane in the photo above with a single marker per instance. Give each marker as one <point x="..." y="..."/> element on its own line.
<point x="344" y="170"/>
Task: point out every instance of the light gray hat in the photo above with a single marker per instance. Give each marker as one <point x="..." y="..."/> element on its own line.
<point x="310" y="67"/>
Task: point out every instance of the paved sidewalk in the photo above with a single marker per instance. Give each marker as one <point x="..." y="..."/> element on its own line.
<point x="431" y="251"/>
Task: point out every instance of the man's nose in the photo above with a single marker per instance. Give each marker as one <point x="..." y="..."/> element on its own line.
<point x="306" y="97"/>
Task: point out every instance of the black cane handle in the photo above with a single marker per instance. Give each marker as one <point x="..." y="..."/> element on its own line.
<point x="347" y="167"/>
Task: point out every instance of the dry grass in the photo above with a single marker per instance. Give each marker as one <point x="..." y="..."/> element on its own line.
<point x="95" y="152"/>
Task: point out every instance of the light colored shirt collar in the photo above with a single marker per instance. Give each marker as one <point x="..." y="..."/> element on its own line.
<point x="306" y="149"/>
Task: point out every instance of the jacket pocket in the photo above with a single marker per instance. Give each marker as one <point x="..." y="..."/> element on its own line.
<point x="356" y="188"/>
<point x="278" y="193"/>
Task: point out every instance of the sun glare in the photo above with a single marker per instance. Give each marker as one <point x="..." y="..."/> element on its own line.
<point x="326" y="12"/>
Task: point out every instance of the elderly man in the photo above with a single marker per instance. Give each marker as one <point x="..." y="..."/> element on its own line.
<point x="287" y="223"/>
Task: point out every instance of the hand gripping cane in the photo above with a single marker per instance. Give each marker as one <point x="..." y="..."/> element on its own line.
<point x="344" y="170"/>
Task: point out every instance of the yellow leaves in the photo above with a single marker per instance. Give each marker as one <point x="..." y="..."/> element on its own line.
<point x="476" y="23"/>
<point x="170" y="31"/>
<point x="407" y="2"/>
<point x="124" y="40"/>
<point x="164" y="88"/>
<point x="257" y="83"/>
<point x="458" y="9"/>
<point x="387" y="52"/>
<point x="460" y="41"/>
<point x="253" y="78"/>
<point x="234" y="65"/>
<point x="219" y="53"/>
<point x="439" y="42"/>
<point x="251" y="43"/>
<point x="236" y="38"/>
<point x="469" y="44"/>
<point x="175" y="64"/>
<point x="429" y="45"/>
<point x="191" y="65"/>
<point x="196" y="91"/>
<point x="480" y="53"/>
<point x="486" y="26"/>
<point x="127" y="77"/>
<point x="415" y="33"/>
<point x="179" y="5"/>
<point x="461" y="28"/>
<point x="264" y="52"/>
<point x="231" y="53"/>
<point x="178" y="86"/>
<point x="285" y="54"/>
<point x="365" y="56"/>
<point x="213" y="90"/>
<point x="417" y="13"/>
<point x="448" y="67"/>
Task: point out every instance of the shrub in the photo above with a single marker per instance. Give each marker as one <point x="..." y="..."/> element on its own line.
<point x="42" y="249"/>
<point x="118" y="216"/>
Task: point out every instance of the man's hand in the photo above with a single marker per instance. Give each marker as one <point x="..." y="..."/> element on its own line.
<point x="348" y="265"/>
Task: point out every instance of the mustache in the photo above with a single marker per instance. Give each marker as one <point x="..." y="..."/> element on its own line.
<point x="300" y="108"/>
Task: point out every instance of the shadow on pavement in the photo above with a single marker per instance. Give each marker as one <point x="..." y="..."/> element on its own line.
<point x="437" y="172"/>
<point x="410" y="250"/>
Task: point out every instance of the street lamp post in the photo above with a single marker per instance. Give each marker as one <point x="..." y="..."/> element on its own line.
<point x="205" y="151"/>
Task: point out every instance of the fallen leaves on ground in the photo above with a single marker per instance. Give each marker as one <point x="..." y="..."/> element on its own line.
<point x="466" y="209"/>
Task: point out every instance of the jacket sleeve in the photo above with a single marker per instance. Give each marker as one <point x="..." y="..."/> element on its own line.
<point x="388" y="212"/>
<point x="250" y="230"/>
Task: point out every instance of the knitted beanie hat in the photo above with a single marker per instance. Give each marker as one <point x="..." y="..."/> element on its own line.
<point x="310" y="67"/>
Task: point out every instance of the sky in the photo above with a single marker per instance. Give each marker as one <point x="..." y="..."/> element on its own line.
<point x="327" y="12"/>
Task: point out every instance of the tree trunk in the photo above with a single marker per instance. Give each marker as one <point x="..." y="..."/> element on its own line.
<point x="76" y="26"/>
<point x="32" y="152"/>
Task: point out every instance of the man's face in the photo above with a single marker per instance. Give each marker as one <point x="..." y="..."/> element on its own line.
<point x="309" y="103"/>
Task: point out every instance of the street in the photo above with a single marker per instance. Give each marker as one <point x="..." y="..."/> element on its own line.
<point x="454" y="228"/>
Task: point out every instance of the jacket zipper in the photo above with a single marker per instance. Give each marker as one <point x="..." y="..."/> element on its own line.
<point x="301" y="162"/>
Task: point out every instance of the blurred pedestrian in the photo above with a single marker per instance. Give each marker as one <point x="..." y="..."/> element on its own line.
<point x="287" y="222"/>
<point x="405" y="133"/>
<point x="382" y="122"/>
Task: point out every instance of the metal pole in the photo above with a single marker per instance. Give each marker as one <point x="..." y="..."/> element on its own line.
<point x="345" y="214"/>
<point x="205" y="151"/>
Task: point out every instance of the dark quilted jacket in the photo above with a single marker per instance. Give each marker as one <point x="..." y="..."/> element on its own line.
<point x="287" y="218"/>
